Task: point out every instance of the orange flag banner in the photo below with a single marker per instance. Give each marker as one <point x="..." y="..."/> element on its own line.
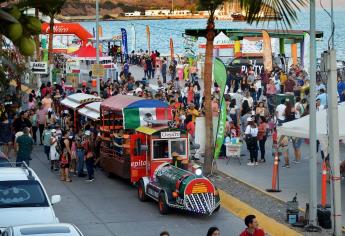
<point x="148" y="33"/>
<point x="294" y="53"/>
<point x="172" y="53"/>
<point x="267" y="51"/>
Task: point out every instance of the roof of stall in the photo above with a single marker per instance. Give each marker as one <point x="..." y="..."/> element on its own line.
<point x="91" y="110"/>
<point x="233" y="33"/>
<point x="75" y="100"/>
<point x="119" y="102"/>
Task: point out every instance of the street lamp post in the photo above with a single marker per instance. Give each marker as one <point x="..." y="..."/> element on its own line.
<point x="312" y="124"/>
<point x="97" y="46"/>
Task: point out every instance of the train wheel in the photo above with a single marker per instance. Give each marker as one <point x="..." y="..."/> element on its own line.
<point x="141" y="191"/>
<point x="162" y="203"/>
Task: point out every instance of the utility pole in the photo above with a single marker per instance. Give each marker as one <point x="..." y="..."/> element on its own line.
<point x="333" y="136"/>
<point x="312" y="126"/>
<point x="97" y="46"/>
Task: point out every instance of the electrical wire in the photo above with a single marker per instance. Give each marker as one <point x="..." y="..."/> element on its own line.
<point x="333" y="25"/>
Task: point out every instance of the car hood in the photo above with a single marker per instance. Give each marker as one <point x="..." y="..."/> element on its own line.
<point x="26" y="215"/>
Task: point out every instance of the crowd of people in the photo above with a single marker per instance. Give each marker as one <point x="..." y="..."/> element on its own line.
<point x="254" y="109"/>
<point x="42" y="121"/>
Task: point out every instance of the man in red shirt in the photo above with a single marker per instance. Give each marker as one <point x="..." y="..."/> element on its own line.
<point x="252" y="227"/>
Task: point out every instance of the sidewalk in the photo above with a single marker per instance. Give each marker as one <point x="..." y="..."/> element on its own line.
<point x="292" y="180"/>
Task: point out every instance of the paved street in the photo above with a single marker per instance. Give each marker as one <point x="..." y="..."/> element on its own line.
<point x="110" y="207"/>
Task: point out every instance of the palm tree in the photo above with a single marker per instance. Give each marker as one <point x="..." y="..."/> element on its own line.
<point x="51" y="8"/>
<point x="286" y="9"/>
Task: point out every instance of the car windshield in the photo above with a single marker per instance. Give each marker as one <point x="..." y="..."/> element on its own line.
<point x="22" y="193"/>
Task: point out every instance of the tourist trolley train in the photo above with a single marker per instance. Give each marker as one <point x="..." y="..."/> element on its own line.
<point x="154" y="155"/>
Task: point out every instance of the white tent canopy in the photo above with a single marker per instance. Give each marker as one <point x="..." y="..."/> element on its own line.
<point x="91" y="110"/>
<point x="75" y="100"/>
<point x="300" y="127"/>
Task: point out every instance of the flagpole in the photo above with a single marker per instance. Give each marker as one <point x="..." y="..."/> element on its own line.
<point x="97" y="45"/>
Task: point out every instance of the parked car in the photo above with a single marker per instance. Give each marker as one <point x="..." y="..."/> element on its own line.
<point x="23" y="199"/>
<point x="43" y="229"/>
<point x="4" y="162"/>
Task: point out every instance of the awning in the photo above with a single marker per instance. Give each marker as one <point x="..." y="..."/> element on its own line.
<point x="300" y="127"/>
<point x="69" y="103"/>
<point x="93" y="115"/>
<point x="78" y="99"/>
<point x="118" y="102"/>
<point x="91" y="110"/>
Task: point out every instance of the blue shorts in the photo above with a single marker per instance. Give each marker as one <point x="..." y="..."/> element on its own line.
<point x="297" y="143"/>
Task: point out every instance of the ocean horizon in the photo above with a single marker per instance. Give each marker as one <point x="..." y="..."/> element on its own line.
<point x="163" y="30"/>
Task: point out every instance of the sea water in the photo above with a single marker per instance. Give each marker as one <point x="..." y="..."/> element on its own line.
<point x="163" y="30"/>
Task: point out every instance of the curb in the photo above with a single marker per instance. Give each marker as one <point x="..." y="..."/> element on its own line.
<point x="264" y="192"/>
<point x="241" y="210"/>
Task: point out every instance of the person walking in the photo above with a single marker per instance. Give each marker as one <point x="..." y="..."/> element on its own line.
<point x="54" y="155"/>
<point x="65" y="157"/>
<point x="89" y="158"/>
<point x="296" y="143"/>
<point x="213" y="231"/>
<point x="24" y="145"/>
<point x="262" y="137"/>
<point x="46" y="140"/>
<point x="164" y="70"/>
<point x="251" y="134"/>
<point x="6" y="134"/>
<point x="33" y="120"/>
<point x="283" y="147"/>
<point x="41" y="119"/>
<point x="252" y="227"/>
<point x="80" y="154"/>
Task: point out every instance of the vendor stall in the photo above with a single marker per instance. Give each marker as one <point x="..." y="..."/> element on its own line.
<point x="77" y="101"/>
<point x="123" y="112"/>
<point x="91" y="111"/>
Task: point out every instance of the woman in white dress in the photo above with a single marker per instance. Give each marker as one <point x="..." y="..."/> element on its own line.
<point x="54" y="155"/>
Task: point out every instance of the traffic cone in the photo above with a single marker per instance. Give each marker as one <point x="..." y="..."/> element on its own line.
<point x="324" y="185"/>
<point x="275" y="175"/>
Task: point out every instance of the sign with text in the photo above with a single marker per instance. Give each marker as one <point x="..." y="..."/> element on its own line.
<point x="171" y="134"/>
<point x="39" y="67"/>
<point x="72" y="79"/>
<point x="97" y="70"/>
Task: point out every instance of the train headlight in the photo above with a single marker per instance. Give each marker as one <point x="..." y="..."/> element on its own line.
<point x="198" y="172"/>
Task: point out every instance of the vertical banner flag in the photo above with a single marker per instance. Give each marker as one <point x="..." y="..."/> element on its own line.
<point x="148" y="38"/>
<point x="172" y="53"/>
<point x="306" y="53"/>
<point x="267" y="51"/>
<point x="124" y="43"/>
<point x="134" y="37"/>
<point x="219" y="73"/>
<point x="100" y="31"/>
<point x="294" y="53"/>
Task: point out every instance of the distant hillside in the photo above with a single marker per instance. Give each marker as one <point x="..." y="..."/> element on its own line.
<point x="118" y="7"/>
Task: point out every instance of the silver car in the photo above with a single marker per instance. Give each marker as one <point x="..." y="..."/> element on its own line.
<point x="61" y="229"/>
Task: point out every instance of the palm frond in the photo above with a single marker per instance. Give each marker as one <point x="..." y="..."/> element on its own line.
<point x="4" y="16"/>
<point x="285" y="9"/>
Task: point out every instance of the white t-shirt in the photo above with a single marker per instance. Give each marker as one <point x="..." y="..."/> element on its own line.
<point x="252" y="131"/>
<point x="298" y="113"/>
<point x="249" y="99"/>
<point x="281" y="111"/>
